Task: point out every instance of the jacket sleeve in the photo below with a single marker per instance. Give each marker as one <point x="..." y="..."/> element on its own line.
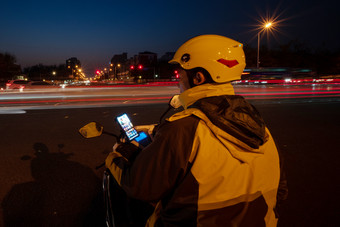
<point x="282" y="192"/>
<point x="159" y="166"/>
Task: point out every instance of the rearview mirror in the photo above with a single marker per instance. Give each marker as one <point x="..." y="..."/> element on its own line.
<point x="92" y="129"/>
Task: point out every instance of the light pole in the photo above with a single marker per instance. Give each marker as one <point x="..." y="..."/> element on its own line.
<point x="265" y="26"/>
<point x="118" y="65"/>
<point x="110" y="71"/>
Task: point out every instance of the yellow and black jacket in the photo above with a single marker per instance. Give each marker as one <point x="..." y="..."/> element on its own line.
<point x="213" y="164"/>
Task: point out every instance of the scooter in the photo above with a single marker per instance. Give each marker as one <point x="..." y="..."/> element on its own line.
<point x="122" y="211"/>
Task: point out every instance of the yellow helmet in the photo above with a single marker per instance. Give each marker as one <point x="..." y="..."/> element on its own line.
<point x="222" y="57"/>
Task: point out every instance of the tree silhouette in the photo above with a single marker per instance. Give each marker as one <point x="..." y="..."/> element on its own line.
<point x="8" y="66"/>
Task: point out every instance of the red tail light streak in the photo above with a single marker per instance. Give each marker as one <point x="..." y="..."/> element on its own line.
<point x="157" y="93"/>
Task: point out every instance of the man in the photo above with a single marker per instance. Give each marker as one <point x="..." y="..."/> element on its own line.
<point x="213" y="164"/>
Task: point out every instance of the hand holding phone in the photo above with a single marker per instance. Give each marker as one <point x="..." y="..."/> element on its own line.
<point x="126" y="125"/>
<point x="141" y="139"/>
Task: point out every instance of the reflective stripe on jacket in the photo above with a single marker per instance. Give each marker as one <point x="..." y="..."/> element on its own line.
<point x="213" y="164"/>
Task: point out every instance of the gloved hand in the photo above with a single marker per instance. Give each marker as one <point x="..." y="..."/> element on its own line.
<point x="129" y="150"/>
<point x="148" y="129"/>
<point x="123" y="155"/>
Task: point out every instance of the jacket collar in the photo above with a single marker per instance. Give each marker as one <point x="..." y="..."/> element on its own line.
<point x="190" y="96"/>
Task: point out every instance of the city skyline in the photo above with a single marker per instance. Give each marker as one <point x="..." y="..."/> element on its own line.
<point x="93" y="31"/>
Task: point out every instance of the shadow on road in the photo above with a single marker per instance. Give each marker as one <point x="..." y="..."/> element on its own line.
<point x="63" y="193"/>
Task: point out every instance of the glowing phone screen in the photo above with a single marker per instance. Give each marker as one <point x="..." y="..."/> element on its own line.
<point x="127" y="126"/>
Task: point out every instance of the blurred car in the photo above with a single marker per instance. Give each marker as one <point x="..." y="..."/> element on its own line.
<point x="39" y="85"/>
<point x="16" y="84"/>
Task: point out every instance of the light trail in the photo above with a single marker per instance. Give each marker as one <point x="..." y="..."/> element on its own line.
<point x="85" y="97"/>
<point x="269" y="88"/>
<point x="289" y="93"/>
<point x="87" y="100"/>
<point x="296" y="97"/>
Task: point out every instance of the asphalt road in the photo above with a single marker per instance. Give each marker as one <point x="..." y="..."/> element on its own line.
<point x="48" y="175"/>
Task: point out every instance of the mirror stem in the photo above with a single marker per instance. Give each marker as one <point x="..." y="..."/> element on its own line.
<point x="111" y="134"/>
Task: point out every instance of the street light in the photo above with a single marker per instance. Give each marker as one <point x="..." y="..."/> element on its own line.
<point x="118" y="65"/>
<point x="265" y="26"/>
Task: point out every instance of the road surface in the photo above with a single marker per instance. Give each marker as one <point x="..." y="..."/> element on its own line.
<point x="48" y="175"/>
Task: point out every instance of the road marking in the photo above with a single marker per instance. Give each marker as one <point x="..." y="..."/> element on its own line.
<point x="12" y="111"/>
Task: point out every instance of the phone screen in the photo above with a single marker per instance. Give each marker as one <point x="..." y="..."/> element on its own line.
<point x="127" y="126"/>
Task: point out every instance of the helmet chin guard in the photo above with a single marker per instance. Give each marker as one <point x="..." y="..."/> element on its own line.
<point x="222" y="57"/>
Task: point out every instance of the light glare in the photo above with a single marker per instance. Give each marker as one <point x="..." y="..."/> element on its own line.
<point x="268" y="25"/>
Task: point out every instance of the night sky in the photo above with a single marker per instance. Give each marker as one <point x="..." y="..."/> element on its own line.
<point x="49" y="32"/>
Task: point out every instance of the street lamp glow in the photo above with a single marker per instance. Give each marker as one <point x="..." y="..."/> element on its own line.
<point x="267" y="25"/>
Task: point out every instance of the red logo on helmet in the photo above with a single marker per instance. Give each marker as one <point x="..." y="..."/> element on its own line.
<point x="228" y="63"/>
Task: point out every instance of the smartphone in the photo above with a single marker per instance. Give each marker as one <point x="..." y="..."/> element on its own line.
<point x="126" y="125"/>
